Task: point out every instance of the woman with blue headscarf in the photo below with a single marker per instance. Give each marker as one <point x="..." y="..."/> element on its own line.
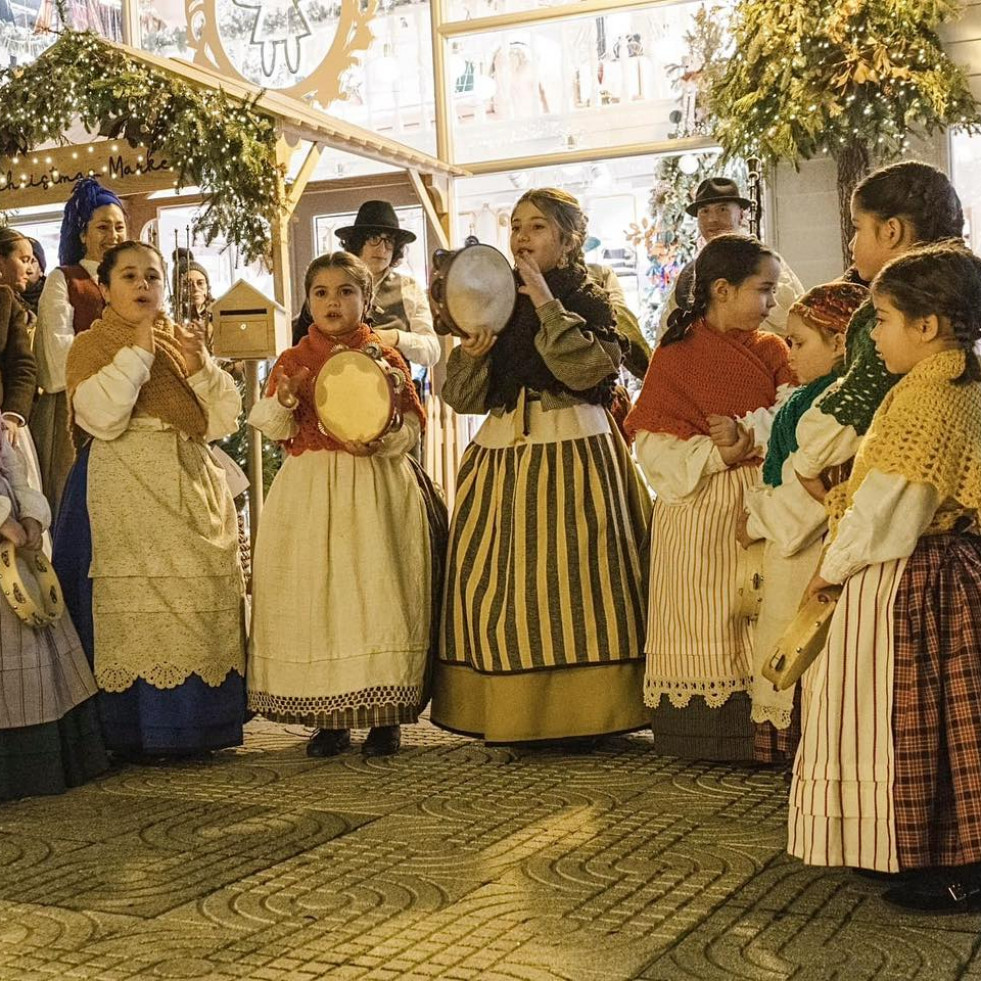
<point x="93" y="222"/>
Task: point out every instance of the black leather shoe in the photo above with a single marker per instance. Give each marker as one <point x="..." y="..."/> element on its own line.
<point x="329" y="742"/>
<point x="933" y="896"/>
<point x="382" y="741"/>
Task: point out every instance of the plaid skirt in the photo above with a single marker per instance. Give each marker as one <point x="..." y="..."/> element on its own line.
<point x="888" y="775"/>
<point x="937" y="704"/>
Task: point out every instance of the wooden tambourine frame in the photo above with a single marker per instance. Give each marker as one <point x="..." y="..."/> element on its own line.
<point x="803" y="640"/>
<point x="751" y="587"/>
<point x="52" y="603"/>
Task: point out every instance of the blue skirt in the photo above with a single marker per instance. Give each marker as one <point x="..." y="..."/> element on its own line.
<point x="142" y="719"/>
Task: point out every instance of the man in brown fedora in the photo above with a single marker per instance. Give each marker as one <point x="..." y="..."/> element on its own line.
<point x="719" y="207"/>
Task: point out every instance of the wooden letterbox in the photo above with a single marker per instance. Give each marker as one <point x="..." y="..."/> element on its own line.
<point x="249" y="325"/>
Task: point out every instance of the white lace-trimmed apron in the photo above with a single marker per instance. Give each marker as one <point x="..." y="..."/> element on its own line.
<point x="697" y="643"/>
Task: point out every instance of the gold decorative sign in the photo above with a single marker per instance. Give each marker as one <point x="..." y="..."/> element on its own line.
<point x="267" y="42"/>
<point x="48" y="176"/>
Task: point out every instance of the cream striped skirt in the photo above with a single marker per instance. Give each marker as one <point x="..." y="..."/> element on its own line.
<point x="546" y="566"/>
<point x="841" y="803"/>
<point x="697" y="643"/>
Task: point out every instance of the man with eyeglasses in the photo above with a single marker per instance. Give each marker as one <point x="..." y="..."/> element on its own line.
<point x="400" y="314"/>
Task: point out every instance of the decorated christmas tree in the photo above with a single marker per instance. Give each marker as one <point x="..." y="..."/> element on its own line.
<point x="850" y="78"/>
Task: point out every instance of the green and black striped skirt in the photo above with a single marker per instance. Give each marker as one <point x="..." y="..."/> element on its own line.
<point x="545" y="599"/>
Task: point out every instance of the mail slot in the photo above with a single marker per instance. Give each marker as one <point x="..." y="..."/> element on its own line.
<point x="248" y="325"/>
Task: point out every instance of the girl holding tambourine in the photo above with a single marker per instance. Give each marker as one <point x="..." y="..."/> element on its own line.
<point x="543" y="624"/>
<point x="341" y="598"/>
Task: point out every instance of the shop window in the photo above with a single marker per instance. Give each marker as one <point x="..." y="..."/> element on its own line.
<point x="388" y="87"/>
<point x="965" y="165"/>
<point x="616" y="196"/>
<point x="586" y="82"/>
<point x="28" y="27"/>
<point x="454" y="10"/>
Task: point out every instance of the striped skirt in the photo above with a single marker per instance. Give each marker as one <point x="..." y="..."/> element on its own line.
<point x="545" y="577"/>
<point x="697" y="643"/>
<point x="888" y="776"/>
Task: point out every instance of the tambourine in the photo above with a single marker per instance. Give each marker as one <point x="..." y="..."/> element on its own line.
<point x="751" y="586"/>
<point x="803" y="640"/>
<point x="357" y="395"/>
<point x="30" y="585"/>
<point x="471" y="289"/>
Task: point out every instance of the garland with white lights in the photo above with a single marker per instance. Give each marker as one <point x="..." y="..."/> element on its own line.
<point x="851" y="78"/>
<point x="226" y="148"/>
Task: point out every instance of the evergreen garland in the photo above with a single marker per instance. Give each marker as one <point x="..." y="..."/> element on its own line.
<point x="226" y="148"/>
<point x="851" y="78"/>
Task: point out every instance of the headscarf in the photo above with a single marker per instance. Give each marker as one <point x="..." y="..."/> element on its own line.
<point x="88" y="196"/>
<point x="42" y="259"/>
<point x="830" y="307"/>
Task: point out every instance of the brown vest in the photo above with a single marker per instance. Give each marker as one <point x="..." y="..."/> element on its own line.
<point x="84" y="296"/>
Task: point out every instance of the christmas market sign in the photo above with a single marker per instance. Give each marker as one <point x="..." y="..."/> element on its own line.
<point x="50" y="175"/>
<point x="166" y="133"/>
<point x="302" y="52"/>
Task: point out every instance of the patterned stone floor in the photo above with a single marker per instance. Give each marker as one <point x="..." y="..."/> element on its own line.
<point x="451" y="861"/>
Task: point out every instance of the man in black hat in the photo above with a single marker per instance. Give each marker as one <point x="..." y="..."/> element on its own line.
<point x="400" y="316"/>
<point x="719" y="208"/>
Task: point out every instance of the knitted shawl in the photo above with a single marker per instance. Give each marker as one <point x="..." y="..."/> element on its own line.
<point x="313" y="349"/>
<point x="783" y="435"/>
<point x="166" y="395"/>
<point x="514" y="360"/>
<point x="928" y="430"/>
<point x="727" y="374"/>
<point x="866" y="379"/>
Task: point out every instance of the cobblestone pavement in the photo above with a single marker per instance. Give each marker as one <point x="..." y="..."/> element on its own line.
<point x="450" y="860"/>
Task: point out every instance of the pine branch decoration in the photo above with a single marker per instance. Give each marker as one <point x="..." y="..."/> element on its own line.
<point x="226" y="148"/>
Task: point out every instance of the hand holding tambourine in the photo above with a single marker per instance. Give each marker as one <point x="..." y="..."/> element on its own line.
<point x="478" y="344"/>
<point x="356" y="448"/>
<point x="288" y="387"/>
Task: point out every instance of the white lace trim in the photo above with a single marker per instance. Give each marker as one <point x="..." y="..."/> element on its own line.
<point x="366" y="698"/>
<point x="715" y="691"/>
<point x="116" y="678"/>
<point x="779" y="717"/>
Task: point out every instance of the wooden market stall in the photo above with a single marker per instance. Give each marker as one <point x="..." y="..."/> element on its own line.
<point x="42" y="156"/>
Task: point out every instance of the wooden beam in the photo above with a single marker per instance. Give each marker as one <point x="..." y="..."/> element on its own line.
<point x="303" y="176"/>
<point x="433" y="216"/>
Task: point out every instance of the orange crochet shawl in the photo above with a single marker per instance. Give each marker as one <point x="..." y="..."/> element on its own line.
<point x="726" y="374"/>
<point x="311" y="352"/>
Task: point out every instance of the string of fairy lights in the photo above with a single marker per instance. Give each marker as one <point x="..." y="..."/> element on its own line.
<point x="211" y="141"/>
<point x="822" y="75"/>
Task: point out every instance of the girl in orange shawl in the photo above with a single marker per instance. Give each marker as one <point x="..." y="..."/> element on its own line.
<point x="713" y="365"/>
<point x="341" y="578"/>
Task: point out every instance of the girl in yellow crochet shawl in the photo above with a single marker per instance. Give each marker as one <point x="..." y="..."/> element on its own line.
<point x="888" y="777"/>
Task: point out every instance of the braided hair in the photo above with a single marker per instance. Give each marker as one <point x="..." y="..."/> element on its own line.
<point x="733" y="258"/>
<point x="942" y="279"/>
<point x="918" y="194"/>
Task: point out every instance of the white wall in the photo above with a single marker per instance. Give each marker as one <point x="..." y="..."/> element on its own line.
<point x="802" y="222"/>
